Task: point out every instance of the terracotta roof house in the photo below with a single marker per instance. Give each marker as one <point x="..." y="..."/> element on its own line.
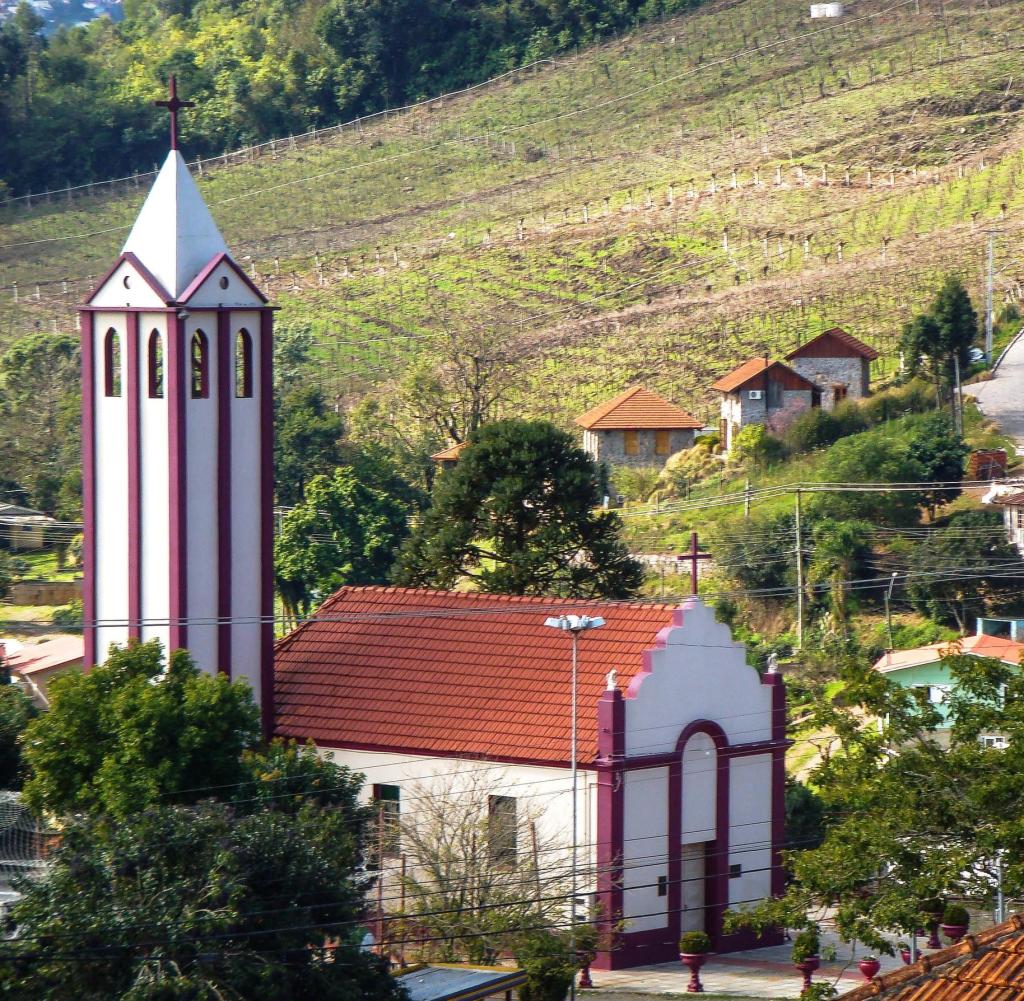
<point x="923" y="667"/>
<point x="449" y="456"/>
<point x="837" y="363"/>
<point x="35" y="665"/>
<point x="681" y="744"/>
<point x="762" y="391"/>
<point x="637" y="428"/>
<point x="987" y="966"/>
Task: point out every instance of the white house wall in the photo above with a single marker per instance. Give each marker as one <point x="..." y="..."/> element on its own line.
<point x="645" y="847"/>
<point x="750" y="829"/>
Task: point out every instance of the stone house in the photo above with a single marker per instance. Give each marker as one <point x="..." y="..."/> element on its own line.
<point x="760" y="391"/>
<point x="637" y="428"/>
<point x="837" y="363"/>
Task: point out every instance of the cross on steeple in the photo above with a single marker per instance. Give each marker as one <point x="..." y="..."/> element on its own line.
<point x="692" y="557"/>
<point x="173" y="105"/>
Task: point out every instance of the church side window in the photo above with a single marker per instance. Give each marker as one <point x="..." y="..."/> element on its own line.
<point x="156" y="366"/>
<point x="502" y="829"/>
<point x="111" y="363"/>
<point x="243" y="365"/>
<point x="387" y="800"/>
<point x="200" y="366"/>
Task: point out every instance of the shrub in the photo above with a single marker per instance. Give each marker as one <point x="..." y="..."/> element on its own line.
<point x="954" y="914"/>
<point x="544" y="958"/>
<point x="812" y="429"/>
<point x="695" y="942"/>
<point x="849" y="418"/>
<point x="756" y="447"/>
<point x="686" y="468"/>
<point x="932" y="906"/>
<point x="806" y="944"/>
<point x="68" y="618"/>
<point x="915" y="397"/>
<point x="635" y="483"/>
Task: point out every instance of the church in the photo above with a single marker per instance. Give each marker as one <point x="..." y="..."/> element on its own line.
<point x="649" y="734"/>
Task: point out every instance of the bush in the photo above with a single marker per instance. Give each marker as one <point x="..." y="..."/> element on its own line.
<point x="695" y="942"/>
<point x="806" y="944"/>
<point x="755" y="446"/>
<point x="812" y="429"/>
<point x="914" y="397"/>
<point x="545" y="959"/>
<point x="954" y="914"/>
<point x="635" y="483"/>
<point x="686" y="468"/>
<point x="68" y="618"/>
<point x="849" y="418"/>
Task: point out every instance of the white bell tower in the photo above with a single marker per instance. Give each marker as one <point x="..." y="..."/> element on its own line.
<point x="177" y="446"/>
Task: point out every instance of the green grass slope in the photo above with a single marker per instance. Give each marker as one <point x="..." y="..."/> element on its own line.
<point x="655" y="209"/>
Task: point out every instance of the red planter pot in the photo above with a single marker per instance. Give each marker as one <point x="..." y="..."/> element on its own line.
<point x="870" y="967"/>
<point x="933" y="936"/>
<point x="693" y="961"/>
<point x="807" y="967"/>
<point x="905" y="956"/>
<point x="954" y="932"/>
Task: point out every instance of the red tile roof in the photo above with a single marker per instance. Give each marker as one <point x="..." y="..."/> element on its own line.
<point x="1007" y="650"/>
<point x="454" y="673"/>
<point x="59" y="652"/>
<point x="637" y="408"/>
<point x="1010" y="500"/>
<point x="813" y="346"/>
<point x="739" y="377"/>
<point x="988" y="966"/>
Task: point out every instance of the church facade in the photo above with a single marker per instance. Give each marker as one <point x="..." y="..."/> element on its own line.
<point x="681" y="743"/>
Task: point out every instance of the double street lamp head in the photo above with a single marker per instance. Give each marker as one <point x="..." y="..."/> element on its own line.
<point x="574" y="623"/>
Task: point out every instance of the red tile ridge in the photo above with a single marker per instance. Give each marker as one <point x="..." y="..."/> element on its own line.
<point x="649" y="410"/>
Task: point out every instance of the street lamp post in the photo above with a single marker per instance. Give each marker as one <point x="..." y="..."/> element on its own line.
<point x="574" y="625"/>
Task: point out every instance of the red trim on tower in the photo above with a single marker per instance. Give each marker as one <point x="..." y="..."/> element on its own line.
<point x="779" y="741"/>
<point x="611" y="795"/>
<point x="87" y="324"/>
<point x="266" y="354"/>
<point x="134" y="480"/>
<point x="225" y="393"/>
<point x="178" y="379"/>
<point x="208" y="269"/>
<point x="144" y="272"/>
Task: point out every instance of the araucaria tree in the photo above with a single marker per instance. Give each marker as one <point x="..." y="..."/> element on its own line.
<point x="935" y="339"/>
<point x="517" y="515"/>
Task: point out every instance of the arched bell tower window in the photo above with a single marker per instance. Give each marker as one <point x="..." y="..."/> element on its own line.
<point x="111" y="363"/>
<point x="243" y="364"/>
<point x="200" y="366"/>
<point x="156" y="366"/>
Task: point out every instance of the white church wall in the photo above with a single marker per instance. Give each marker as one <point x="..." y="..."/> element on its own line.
<point x="700" y="792"/>
<point x="645" y="847"/>
<point x="700" y="672"/>
<point x="115" y="293"/>
<point x="246" y="466"/>
<point x="213" y="292"/>
<point x="154" y="474"/>
<point x="201" y="505"/>
<point x="750" y="829"/>
<point x="111" y="464"/>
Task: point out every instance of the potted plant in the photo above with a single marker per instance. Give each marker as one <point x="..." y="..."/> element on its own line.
<point x="694" y="947"/>
<point x="807" y="953"/>
<point x="932" y="909"/>
<point x="869" y="966"/>
<point x="586" y="951"/>
<point x="904" y="951"/>
<point x="955" y="921"/>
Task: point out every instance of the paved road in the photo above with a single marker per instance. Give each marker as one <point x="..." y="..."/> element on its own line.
<point x="1002" y="397"/>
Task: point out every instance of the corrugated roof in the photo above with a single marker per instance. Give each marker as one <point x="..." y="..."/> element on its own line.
<point x="1006" y="650"/>
<point x="454" y="673"/>
<point x="33" y="657"/>
<point x="843" y="337"/>
<point x="739" y="377"/>
<point x="637" y="408"/>
<point x="988" y="966"/>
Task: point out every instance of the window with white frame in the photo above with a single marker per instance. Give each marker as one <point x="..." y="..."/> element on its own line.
<point x="993" y="740"/>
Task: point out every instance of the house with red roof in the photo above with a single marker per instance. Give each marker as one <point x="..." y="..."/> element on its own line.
<point x="837" y="363"/>
<point x="637" y="428"/>
<point x="34" y="665"/>
<point x="681" y="744"/>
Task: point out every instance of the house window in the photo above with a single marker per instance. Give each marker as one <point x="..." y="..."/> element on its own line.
<point x="839" y="392"/>
<point x="502" y="829"/>
<point x="663" y="886"/>
<point x="200" y="366"/>
<point x="243" y="365"/>
<point x="111" y="363"/>
<point x="631" y="442"/>
<point x="735" y="871"/>
<point x="937" y="694"/>
<point x="155" y="353"/>
<point x="387" y="800"/>
<point x="774" y="394"/>
<point x="661" y="443"/>
<point x="994" y="740"/>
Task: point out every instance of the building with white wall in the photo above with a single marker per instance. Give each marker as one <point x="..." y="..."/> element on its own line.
<point x="178" y="444"/>
<point x="681" y="743"/>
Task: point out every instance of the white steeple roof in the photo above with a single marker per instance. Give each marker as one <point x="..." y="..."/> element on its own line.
<point x="174" y="235"/>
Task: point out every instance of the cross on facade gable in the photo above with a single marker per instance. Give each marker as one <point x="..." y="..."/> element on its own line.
<point x="173" y="105"/>
<point x="692" y="557"/>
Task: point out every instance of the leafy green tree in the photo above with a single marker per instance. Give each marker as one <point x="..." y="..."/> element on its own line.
<point x="739" y="549"/>
<point x="939" y="453"/>
<point x="841" y="553"/>
<point x="16" y="710"/>
<point x="204" y="902"/>
<point x="133" y="732"/>
<point x="932" y="340"/>
<point x="805" y="816"/>
<point x="345" y="531"/>
<point x="971" y="568"/>
<point x="307" y="442"/>
<point x="517" y="515"/>
<point x="546" y="959"/>
<point x="40" y="418"/>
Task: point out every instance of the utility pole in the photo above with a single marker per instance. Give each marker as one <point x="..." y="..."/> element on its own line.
<point x="988" y="299"/>
<point x="888" y="610"/>
<point x="1000" y="899"/>
<point x="746" y="498"/>
<point x="958" y="403"/>
<point x="799" y="578"/>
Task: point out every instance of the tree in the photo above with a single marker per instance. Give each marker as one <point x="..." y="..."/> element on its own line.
<point x="910" y="819"/>
<point x="970" y="568"/>
<point x="16" y="709"/>
<point x="934" y="339"/>
<point x="132" y="733"/>
<point x="842" y="550"/>
<point x="40" y="432"/>
<point x="345" y="531"/>
<point x="474" y="880"/>
<point x="516" y="515"/>
<point x="307" y="442"/>
<point x="740" y="550"/>
<point x="261" y="898"/>
<point x="939" y="453"/>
